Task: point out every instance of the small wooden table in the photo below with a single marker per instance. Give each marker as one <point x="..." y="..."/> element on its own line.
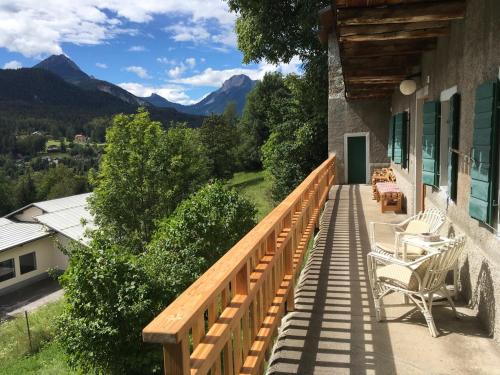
<point x="390" y="196"/>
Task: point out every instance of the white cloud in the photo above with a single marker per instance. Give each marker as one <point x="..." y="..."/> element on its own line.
<point x="137" y="49"/>
<point x="101" y="65"/>
<point x="174" y="93"/>
<point x="219" y="36"/>
<point x="14" y="64"/>
<point x="166" y="61"/>
<point x="139" y="71"/>
<point x="177" y="71"/>
<point x="182" y="32"/>
<point x="35" y="28"/>
<point x="191" y="62"/>
<point x="215" y="78"/>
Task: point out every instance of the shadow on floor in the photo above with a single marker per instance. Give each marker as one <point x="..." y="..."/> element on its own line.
<point x="331" y="329"/>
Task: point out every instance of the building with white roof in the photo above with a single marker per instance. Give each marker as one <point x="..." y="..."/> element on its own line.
<point x="31" y="239"/>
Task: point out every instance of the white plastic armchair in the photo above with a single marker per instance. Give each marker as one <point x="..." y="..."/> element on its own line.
<point x="428" y="221"/>
<point x="419" y="280"/>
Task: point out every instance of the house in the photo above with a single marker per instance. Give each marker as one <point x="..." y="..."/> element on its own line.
<point x="31" y="239"/>
<point x="80" y="138"/>
<point x="414" y="84"/>
<point x="442" y="137"/>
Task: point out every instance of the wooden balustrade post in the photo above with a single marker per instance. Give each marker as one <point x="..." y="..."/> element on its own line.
<point x="176" y="358"/>
<point x="243" y="280"/>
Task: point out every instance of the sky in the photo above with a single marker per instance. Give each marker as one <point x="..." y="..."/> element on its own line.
<point x="179" y="49"/>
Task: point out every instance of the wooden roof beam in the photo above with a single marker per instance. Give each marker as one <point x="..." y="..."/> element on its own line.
<point x="381" y="61"/>
<point x="355" y="50"/>
<point x="396" y="35"/>
<point x="403" y="13"/>
<point x="390" y="27"/>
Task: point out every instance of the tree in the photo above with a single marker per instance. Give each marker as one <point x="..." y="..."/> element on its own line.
<point x="25" y="190"/>
<point x="6" y="198"/>
<point x="220" y="138"/>
<point x="144" y="174"/>
<point x="108" y="300"/>
<point x="298" y="139"/>
<point x="111" y="293"/>
<point x="59" y="181"/>
<point x="201" y="230"/>
<point x="259" y="115"/>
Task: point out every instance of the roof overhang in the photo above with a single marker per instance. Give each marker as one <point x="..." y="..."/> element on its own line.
<point x="381" y="41"/>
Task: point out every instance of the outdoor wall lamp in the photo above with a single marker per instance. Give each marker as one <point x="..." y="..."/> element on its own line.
<point x="408" y="86"/>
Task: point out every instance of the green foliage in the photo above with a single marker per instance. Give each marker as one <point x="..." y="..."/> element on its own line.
<point x="277" y="30"/>
<point x="112" y="293"/>
<point x="6" y="194"/>
<point x="219" y="136"/>
<point x="198" y="233"/>
<point x="59" y="181"/>
<point x="262" y="110"/>
<point x="14" y="342"/>
<point x="30" y="145"/>
<point x="144" y="173"/>
<point x="297" y="143"/>
<point x="256" y="187"/>
<point x="108" y="302"/>
<point x="25" y="190"/>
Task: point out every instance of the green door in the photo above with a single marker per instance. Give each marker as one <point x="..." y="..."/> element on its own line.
<point x="356" y="160"/>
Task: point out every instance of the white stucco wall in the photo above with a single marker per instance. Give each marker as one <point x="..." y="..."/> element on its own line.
<point x="48" y="256"/>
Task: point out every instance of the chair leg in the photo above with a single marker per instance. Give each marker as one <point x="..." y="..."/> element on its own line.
<point x="450" y="300"/>
<point x="427" y="311"/>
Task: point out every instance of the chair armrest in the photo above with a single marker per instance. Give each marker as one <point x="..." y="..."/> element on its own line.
<point x="386" y="258"/>
<point x="394" y="227"/>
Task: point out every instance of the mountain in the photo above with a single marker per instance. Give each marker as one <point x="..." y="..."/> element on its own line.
<point x="235" y="89"/>
<point x="37" y="99"/>
<point x="65" y="68"/>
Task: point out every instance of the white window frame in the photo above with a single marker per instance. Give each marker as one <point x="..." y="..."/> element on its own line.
<point x="367" y="146"/>
<point x="444" y="98"/>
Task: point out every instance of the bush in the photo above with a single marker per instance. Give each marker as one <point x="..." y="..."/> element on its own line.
<point x="108" y="302"/>
<point x="201" y="230"/>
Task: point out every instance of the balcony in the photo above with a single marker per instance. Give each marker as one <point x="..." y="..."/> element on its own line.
<point x="230" y="320"/>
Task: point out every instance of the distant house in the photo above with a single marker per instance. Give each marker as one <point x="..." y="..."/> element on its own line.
<point x="80" y="138"/>
<point x="53" y="148"/>
<point x="31" y="239"/>
<point x="36" y="133"/>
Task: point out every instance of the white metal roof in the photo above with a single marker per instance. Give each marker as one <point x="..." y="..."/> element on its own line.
<point x="71" y="222"/>
<point x="63" y="203"/>
<point x="14" y="234"/>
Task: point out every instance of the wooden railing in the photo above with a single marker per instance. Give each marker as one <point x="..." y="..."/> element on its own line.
<point x="224" y="322"/>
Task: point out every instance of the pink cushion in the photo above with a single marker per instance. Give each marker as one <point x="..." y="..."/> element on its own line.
<point x="387" y="187"/>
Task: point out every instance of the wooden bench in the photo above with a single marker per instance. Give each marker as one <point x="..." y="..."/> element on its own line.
<point x="389" y="196"/>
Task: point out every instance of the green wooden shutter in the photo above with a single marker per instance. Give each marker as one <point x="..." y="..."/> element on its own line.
<point x="430" y="143"/>
<point x="453" y="137"/>
<point x="484" y="152"/>
<point x="400" y="129"/>
<point x="390" y="141"/>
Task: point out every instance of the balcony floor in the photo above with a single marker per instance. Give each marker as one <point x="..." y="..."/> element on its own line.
<point x="333" y="328"/>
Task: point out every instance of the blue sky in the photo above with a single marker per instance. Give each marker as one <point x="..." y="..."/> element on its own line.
<point x="181" y="50"/>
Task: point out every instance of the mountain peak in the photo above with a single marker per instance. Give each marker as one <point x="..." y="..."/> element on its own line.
<point x="64" y="67"/>
<point x="236" y="81"/>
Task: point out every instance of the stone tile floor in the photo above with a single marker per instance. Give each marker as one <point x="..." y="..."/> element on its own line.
<point x="333" y="328"/>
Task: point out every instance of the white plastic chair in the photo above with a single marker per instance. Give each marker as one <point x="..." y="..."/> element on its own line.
<point x="428" y="221"/>
<point x="419" y="280"/>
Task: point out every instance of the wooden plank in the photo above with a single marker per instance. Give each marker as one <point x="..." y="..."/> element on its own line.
<point x="397" y="48"/>
<point x="381" y="61"/>
<point x="396" y="35"/>
<point x="405" y="13"/>
<point x="389" y="27"/>
<point x="176" y="358"/>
